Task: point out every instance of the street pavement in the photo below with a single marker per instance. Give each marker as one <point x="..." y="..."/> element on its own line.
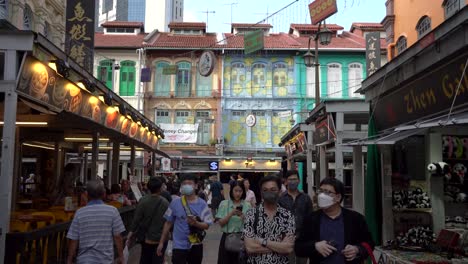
<point x="210" y="247"/>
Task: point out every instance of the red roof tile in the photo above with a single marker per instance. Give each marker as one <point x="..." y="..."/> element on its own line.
<point x="187" y="25"/>
<point x="247" y="25"/>
<point x="102" y="40"/>
<point x="127" y="24"/>
<point x="367" y="26"/>
<point x="333" y="27"/>
<point x="168" y="40"/>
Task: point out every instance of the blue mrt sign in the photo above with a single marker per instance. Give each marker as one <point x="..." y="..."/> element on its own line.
<point x="213" y="166"/>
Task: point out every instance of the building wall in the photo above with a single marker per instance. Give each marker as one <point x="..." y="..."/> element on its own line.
<point x="163" y="13"/>
<point x="46" y="17"/>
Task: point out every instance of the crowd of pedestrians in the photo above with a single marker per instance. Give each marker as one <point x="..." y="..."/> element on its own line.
<point x="282" y="227"/>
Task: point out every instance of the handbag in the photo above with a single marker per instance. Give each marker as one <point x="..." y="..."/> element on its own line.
<point x="233" y="242"/>
<point x="140" y="233"/>
<point x="370" y="252"/>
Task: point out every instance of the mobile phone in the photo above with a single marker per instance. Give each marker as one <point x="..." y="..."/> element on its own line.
<point x="239" y="207"/>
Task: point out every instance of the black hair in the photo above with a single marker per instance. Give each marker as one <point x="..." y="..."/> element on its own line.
<point x="154" y="184"/>
<point x="95" y="189"/>
<point x="231" y="191"/>
<point x="115" y="188"/>
<point x="270" y="178"/>
<point x="188" y="177"/>
<point x="337" y="185"/>
<point x="290" y="173"/>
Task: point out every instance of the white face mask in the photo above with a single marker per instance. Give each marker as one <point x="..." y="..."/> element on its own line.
<point x="325" y="201"/>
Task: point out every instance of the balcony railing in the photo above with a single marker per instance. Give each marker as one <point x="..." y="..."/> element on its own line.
<point x="49" y="244"/>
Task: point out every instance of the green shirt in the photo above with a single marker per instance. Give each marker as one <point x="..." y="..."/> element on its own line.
<point x="235" y="223"/>
<point x="146" y="212"/>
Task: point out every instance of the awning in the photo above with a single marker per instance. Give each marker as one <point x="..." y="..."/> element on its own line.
<point x="445" y="120"/>
<point x="386" y="138"/>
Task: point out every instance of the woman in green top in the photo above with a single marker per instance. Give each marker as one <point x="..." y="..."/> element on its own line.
<point x="230" y="217"/>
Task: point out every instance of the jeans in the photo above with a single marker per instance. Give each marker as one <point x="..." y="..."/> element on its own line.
<point x="188" y="256"/>
<point x="149" y="256"/>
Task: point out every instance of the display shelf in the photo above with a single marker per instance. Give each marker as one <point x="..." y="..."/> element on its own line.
<point x="421" y="210"/>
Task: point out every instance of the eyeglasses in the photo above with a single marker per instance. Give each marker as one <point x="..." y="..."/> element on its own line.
<point x="327" y="192"/>
<point x="270" y="190"/>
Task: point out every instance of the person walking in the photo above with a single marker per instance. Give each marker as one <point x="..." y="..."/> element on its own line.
<point x="299" y="204"/>
<point x="217" y="194"/>
<point x="334" y="234"/>
<point x="269" y="229"/>
<point x="148" y="223"/>
<point x="190" y="217"/>
<point x="94" y="230"/>
<point x="249" y="195"/>
<point x="230" y="217"/>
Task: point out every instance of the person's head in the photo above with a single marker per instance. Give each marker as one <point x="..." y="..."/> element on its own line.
<point x="270" y="187"/>
<point x="292" y="180"/>
<point x="95" y="189"/>
<point x="115" y="188"/>
<point x="237" y="191"/>
<point x="188" y="184"/>
<point x="233" y="177"/>
<point x="246" y="184"/>
<point x="330" y="193"/>
<point x="125" y="185"/>
<point x="154" y="185"/>
<point x="240" y="176"/>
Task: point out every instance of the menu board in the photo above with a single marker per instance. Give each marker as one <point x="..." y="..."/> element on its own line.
<point x="41" y="83"/>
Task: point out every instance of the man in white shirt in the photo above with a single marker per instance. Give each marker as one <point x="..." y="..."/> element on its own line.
<point x="250" y="195"/>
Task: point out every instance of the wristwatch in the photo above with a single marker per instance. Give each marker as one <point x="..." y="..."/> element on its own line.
<point x="264" y="242"/>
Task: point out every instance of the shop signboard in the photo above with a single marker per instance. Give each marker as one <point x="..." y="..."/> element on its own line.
<point x="170" y="70"/>
<point x="145" y="75"/>
<point x="321" y="9"/>
<point x="180" y="133"/>
<point x="253" y="41"/>
<point x="165" y="164"/>
<point x="373" y="56"/>
<point x="42" y="84"/>
<point x="79" y="37"/>
<point x="213" y="166"/>
<point x="324" y="130"/>
<point x="284" y="114"/>
<point x="426" y="96"/>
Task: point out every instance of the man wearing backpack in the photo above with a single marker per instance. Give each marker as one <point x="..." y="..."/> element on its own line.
<point x="148" y="223"/>
<point x="190" y="217"/>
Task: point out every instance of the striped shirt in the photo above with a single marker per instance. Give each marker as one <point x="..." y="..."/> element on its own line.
<point x="94" y="226"/>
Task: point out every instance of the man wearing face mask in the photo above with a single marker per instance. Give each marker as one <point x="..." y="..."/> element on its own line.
<point x="269" y="229"/>
<point x="333" y="235"/>
<point x="298" y="203"/>
<point x="190" y="216"/>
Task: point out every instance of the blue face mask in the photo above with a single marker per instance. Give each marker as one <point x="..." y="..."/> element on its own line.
<point x="186" y="189"/>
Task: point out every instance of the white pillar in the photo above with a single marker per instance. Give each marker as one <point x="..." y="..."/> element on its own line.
<point x="339" y="122"/>
<point x="358" y="180"/>
<point x="387" y="206"/>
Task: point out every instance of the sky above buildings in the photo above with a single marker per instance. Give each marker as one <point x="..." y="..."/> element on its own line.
<point x="254" y="11"/>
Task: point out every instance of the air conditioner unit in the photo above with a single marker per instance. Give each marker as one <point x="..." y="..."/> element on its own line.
<point x="219" y="149"/>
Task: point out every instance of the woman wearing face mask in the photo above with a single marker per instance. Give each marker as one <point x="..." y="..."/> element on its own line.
<point x="230" y="217"/>
<point x="334" y="234"/>
<point x="269" y="229"/>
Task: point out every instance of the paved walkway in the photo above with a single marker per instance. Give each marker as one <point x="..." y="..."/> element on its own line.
<point x="210" y="247"/>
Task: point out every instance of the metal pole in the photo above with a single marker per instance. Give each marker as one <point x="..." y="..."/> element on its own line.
<point x="8" y="146"/>
<point x="94" y="158"/>
<point x="318" y="161"/>
<point x="115" y="177"/>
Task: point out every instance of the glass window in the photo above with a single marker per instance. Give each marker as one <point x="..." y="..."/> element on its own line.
<point x="280" y="126"/>
<point x="27" y="18"/>
<point x="3" y="9"/>
<point x="105" y="72"/>
<point x="238" y="80"/>
<point x="310" y="74"/>
<point x="127" y="78"/>
<point x="451" y="7"/>
<point x="280" y="80"/>
<point x="204" y="85"/>
<point x="205" y="125"/>
<point x="258" y="80"/>
<point x="183" y="80"/>
<point x="46" y="29"/>
<point x="162" y="82"/>
<point x="182" y="117"/>
<point x="423" y="26"/>
<point x="401" y="44"/>
<point x="203" y="114"/>
<point x="335" y="81"/>
<point x="354" y="79"/>
<point x="260" y="135"/>
<point x="162" y="117"/>
<point x="236" y="132"/>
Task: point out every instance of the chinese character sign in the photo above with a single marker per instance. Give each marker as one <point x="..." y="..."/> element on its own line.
<point x="80" y="32"/>
<point x="372" y="52"/>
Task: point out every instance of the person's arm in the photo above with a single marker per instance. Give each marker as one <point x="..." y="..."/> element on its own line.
<point x="119" y="245"/>
<point x="137" y="219"/>
<point x="221" y="190"/>
<point x="72" y="247"/>
<point x="252" y="246"/>
<point x="358" y="251"/>
<point x="165" y="233"/>
<point x="285" y="247"/>
<point x="305" y="244"/>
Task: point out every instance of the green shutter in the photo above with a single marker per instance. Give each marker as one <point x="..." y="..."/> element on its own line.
<point x="109" y="78"/>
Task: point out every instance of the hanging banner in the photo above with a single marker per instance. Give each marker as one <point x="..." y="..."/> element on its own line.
<point x="373" y="56"/>
<point x="79" y="36"/>
<point x="180" y="133"/>
<point x="253" y="41"/>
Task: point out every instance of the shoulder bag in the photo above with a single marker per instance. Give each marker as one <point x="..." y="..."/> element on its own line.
<point x="196" y="235"/>
<point x="233" y="242"/>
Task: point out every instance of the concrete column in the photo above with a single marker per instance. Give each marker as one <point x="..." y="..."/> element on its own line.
<point x="310" y="169"/>
<point x="108" y="166"/>
<point x="86" y="157"/>
<point x="132" y="160"/>
<point x="323" y="163"/>
<point x="436" y="184"/>
<point x="339" y="122"/>
<point x="358" y="180"/>
<point x="387" y="207"/>
<point x="94" y="158"/>
<point x="8" y="145"/>
<point x="115" y="162"/>
<point x="153" y="162"/>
